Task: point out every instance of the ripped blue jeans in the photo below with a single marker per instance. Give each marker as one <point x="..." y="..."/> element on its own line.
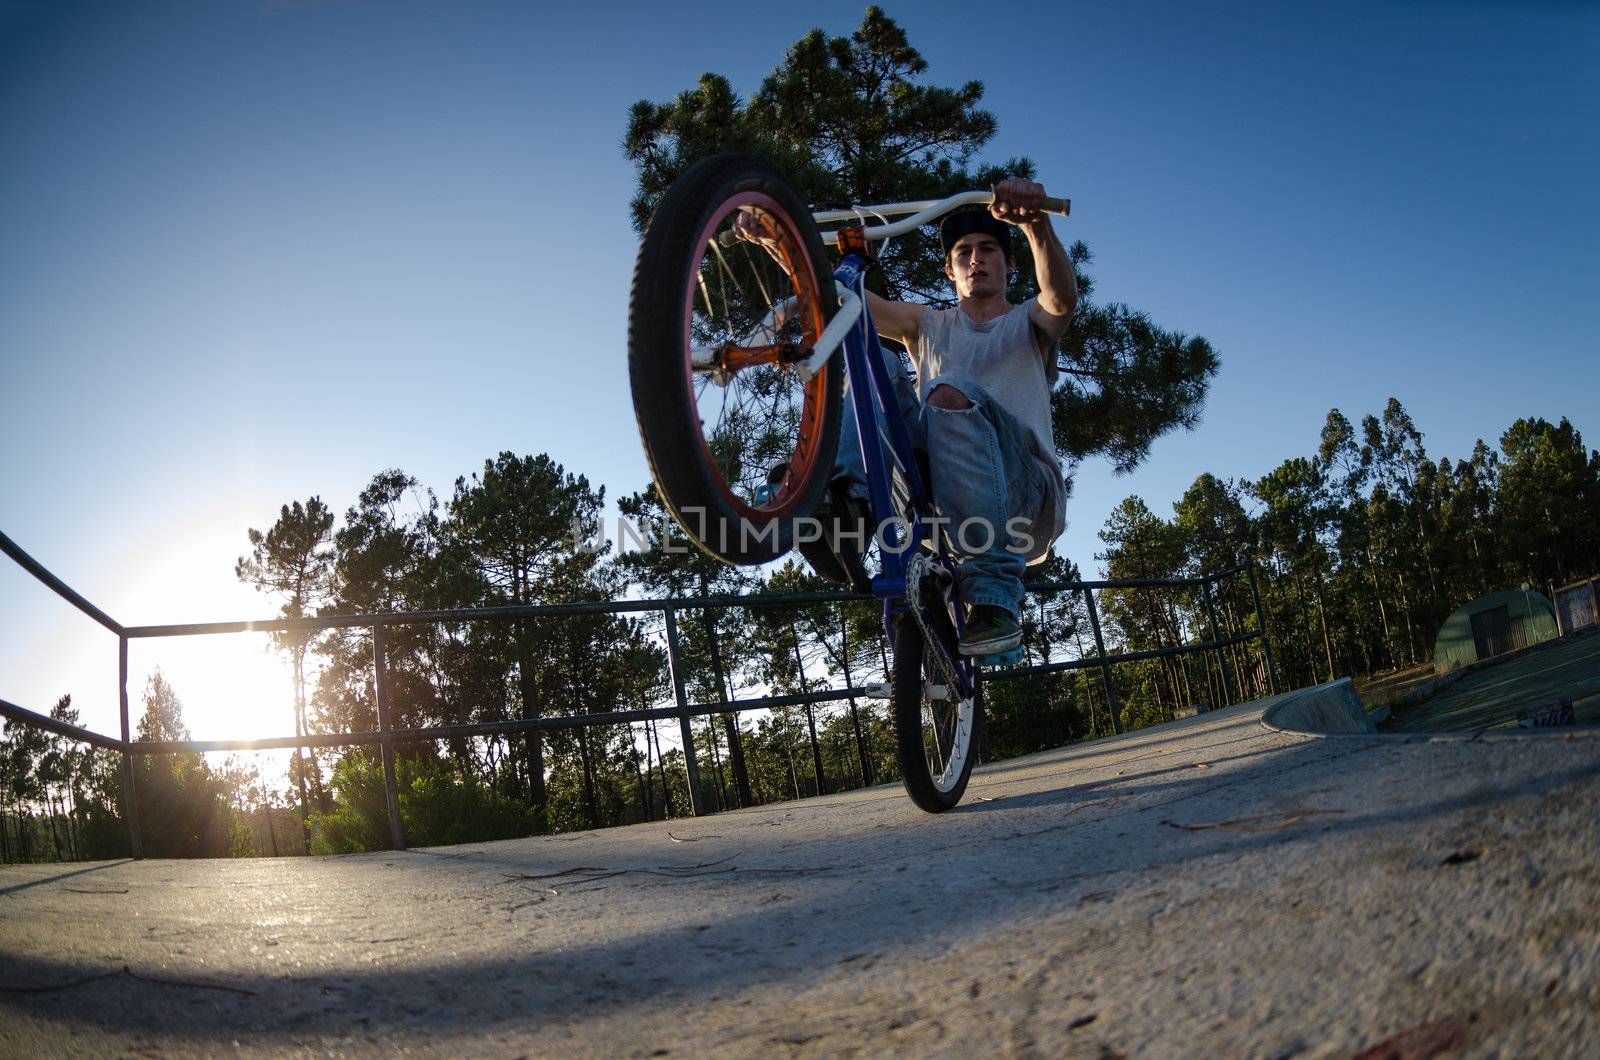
<point x="986" y="481"/>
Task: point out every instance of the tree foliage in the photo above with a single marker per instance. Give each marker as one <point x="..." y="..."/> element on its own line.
<point x="1367" y="545"/>
<point x="184" y="805"/>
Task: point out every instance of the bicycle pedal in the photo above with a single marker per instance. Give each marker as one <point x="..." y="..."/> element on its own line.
<point x="1003" y="658"/>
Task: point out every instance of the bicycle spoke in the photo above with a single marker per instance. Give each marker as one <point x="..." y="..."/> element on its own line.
<point x="722" y="288"/>
<point x="704" y="292"/>
<point x="756" y="272"/>
<point x="716" y="248"/>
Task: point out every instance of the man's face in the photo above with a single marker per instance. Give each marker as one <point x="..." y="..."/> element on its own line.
<point x="977" y="266"/>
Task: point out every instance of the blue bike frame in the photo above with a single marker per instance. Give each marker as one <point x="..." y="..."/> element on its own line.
<point x="876" y="412"/>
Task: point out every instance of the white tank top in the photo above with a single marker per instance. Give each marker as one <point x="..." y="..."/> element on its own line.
<point x="1002" y="356"/>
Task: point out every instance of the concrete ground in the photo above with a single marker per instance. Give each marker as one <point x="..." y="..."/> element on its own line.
<point x="1490" y="697"/>
<point x="1205" y="888"/>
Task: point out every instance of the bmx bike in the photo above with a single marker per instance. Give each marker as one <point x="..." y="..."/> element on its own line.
<point x="738" y="353"/>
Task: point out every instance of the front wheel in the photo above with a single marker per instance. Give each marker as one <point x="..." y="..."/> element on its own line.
<point x="739" y="444"/>
<point x="935" y="730"/>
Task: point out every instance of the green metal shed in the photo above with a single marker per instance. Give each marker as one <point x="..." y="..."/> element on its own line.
<point x="1493" y="625"/>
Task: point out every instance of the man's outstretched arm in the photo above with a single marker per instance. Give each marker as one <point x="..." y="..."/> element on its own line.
<point x="1018" y="202"/>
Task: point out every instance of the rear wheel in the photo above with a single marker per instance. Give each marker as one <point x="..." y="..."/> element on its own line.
<point x="738" y="443"/>
<point x="936" y="731"/>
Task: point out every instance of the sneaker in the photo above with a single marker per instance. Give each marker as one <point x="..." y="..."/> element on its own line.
<point x="991" y="630"/>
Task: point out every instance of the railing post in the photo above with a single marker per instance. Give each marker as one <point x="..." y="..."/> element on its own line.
<point x="380" y="691"/>
<point x="691" y="767"/>
<point x="855" y="715"/>
<point x="130" y="799"/>
<point x="1261" y="624"/>
<point x="1222" y="658"/>
<point x="1105" y="667"/>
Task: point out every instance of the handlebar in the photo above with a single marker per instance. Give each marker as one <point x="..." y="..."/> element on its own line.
<point x="922" y="213"/>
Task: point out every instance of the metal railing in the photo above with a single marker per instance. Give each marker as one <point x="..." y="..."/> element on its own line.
<point x="387" y="735"/>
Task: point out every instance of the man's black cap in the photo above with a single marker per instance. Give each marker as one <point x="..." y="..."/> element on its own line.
<point x="974" y="220"/>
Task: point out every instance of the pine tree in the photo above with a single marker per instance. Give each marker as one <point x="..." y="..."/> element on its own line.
<point x="851" y="121"/>
<point x="293" y="560"/>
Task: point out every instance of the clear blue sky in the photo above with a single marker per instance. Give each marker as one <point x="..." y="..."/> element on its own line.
<point x="255" y="251"/>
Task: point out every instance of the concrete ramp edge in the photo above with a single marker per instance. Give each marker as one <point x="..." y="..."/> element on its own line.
<point x="1321" y="710"/>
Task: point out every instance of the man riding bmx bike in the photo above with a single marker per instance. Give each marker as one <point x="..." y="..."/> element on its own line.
<point x="981" y="407"/>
